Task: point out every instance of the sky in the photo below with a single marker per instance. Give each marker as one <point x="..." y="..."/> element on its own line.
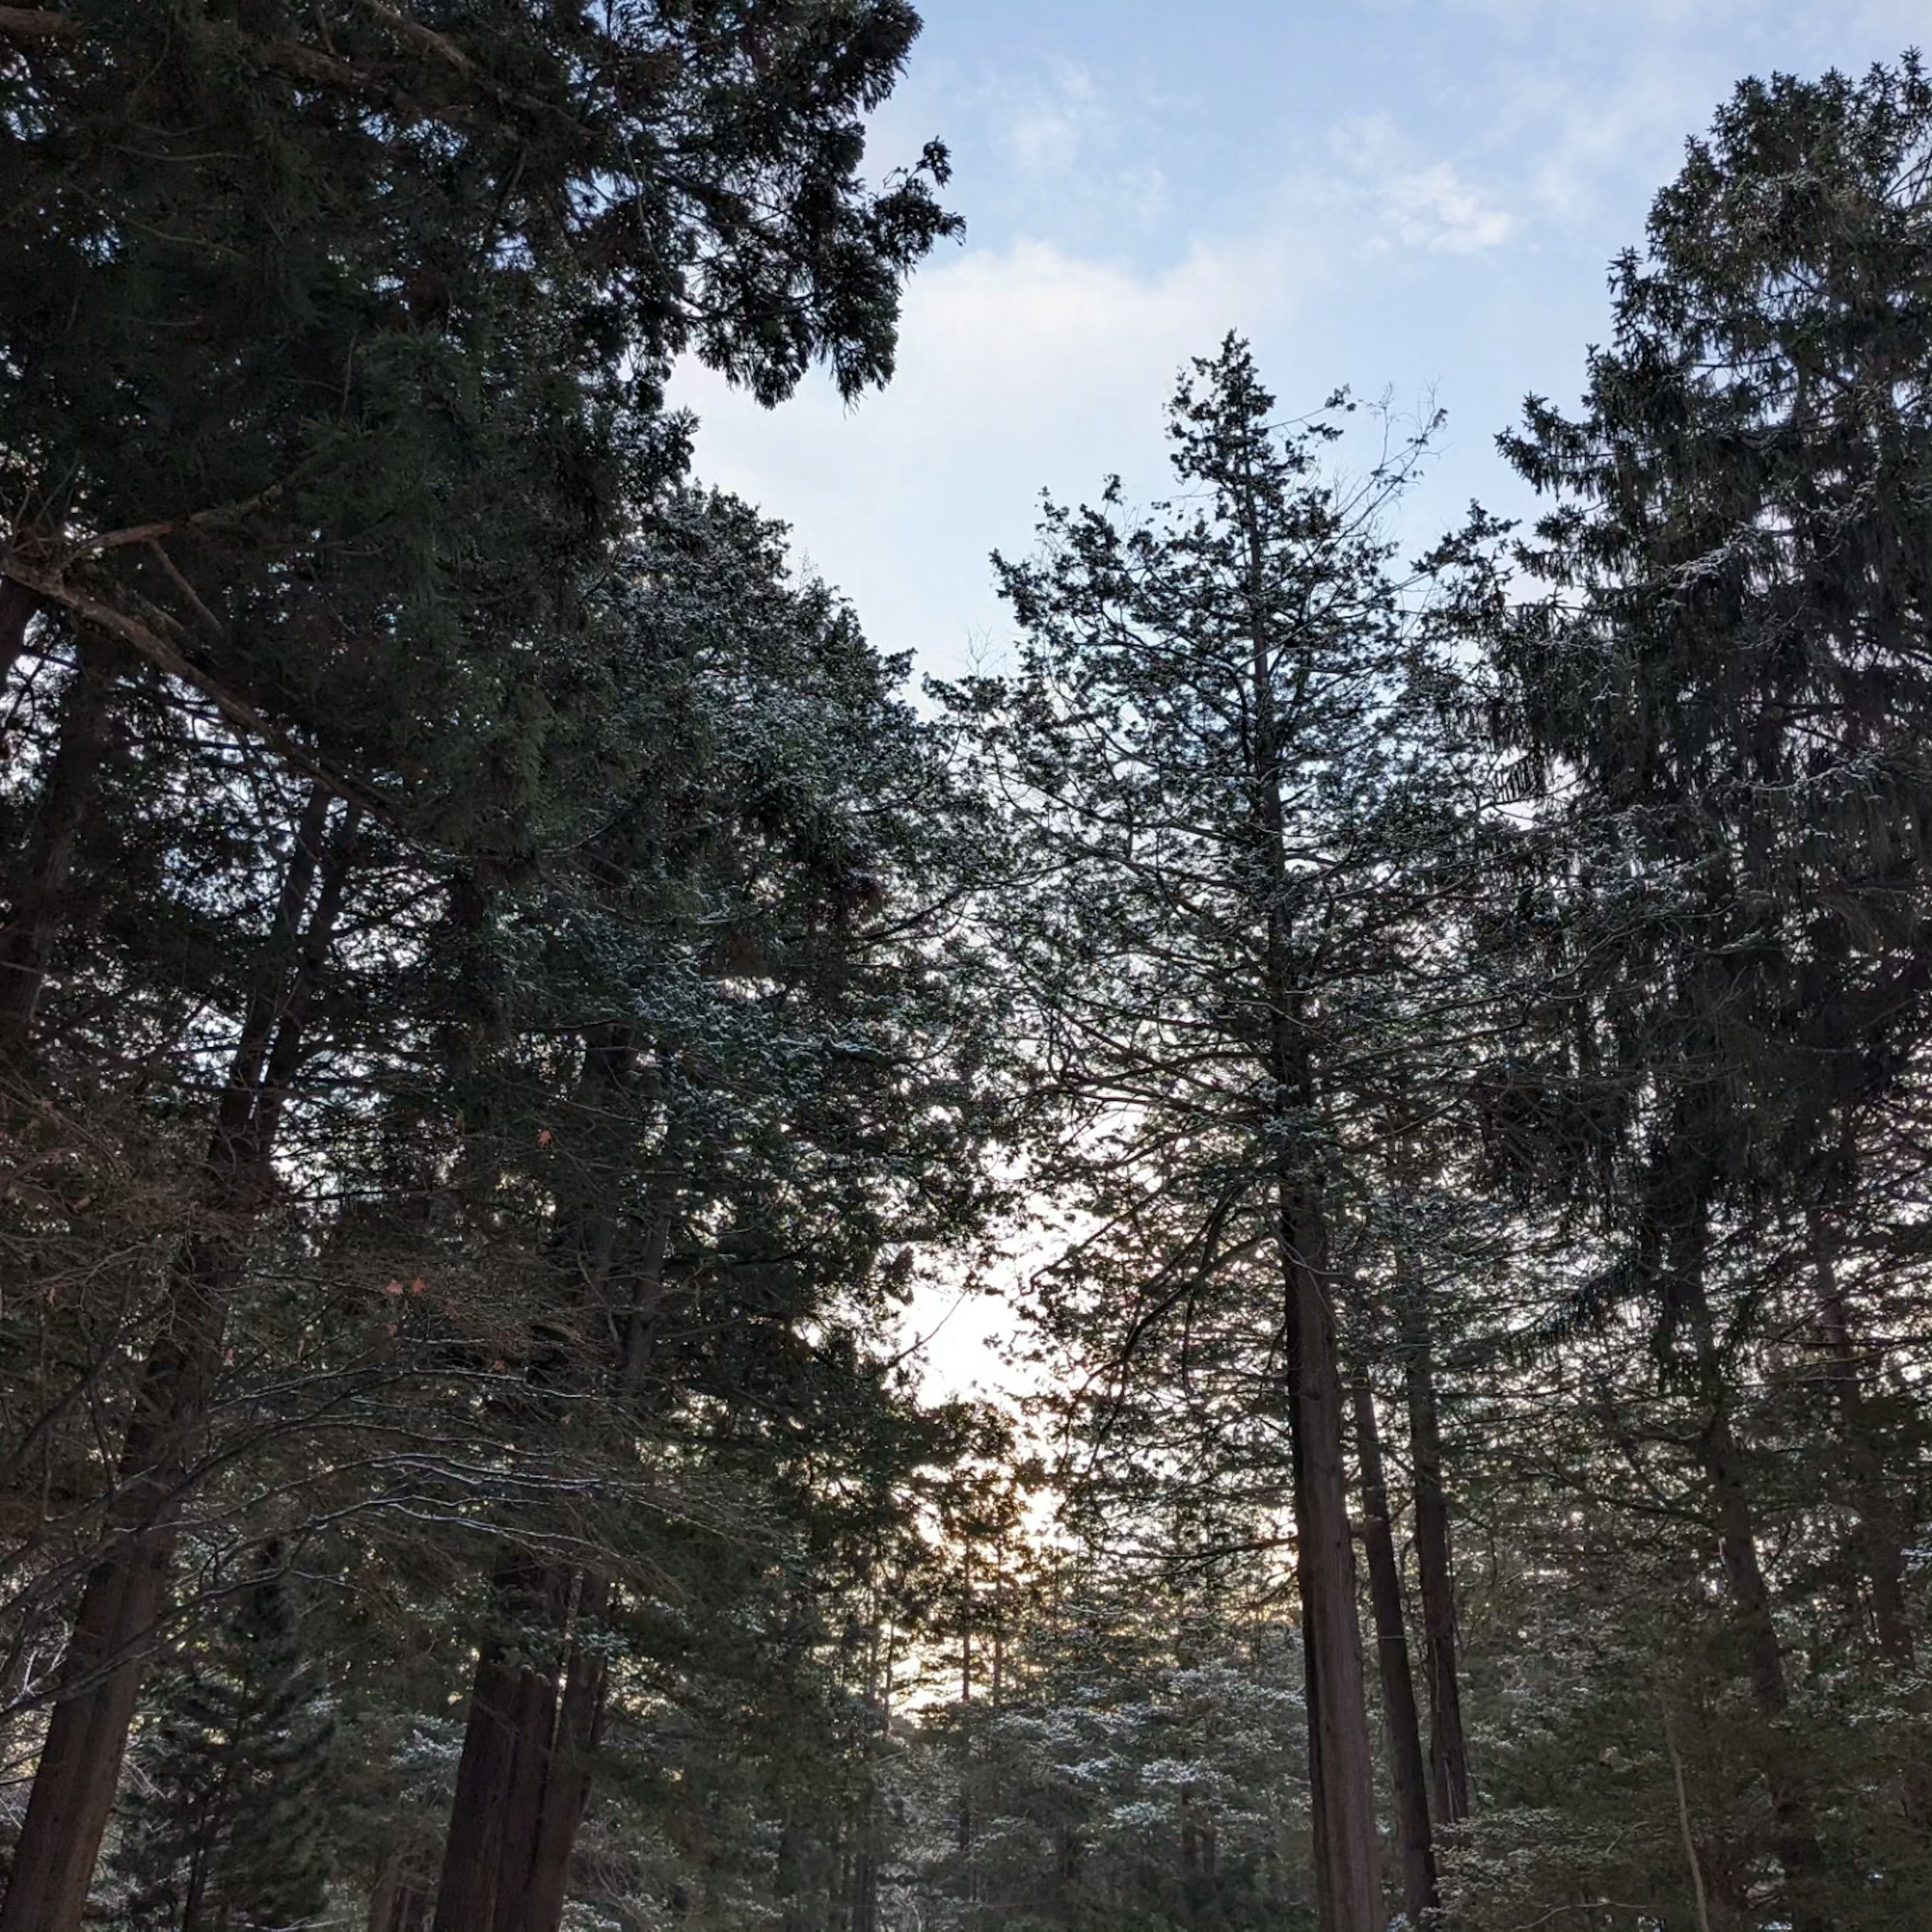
<point x="1417" y="198"/>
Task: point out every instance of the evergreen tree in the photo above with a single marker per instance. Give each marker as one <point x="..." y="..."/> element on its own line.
<point x="1730" y="667"/>
<point x="221" y="1830"/>
<point x="340" y="335"/>
<point x="1236" y="838"/>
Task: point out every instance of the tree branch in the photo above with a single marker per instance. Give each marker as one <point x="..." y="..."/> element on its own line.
<point x="165" y="656"/>
<point x="36" y="23"/>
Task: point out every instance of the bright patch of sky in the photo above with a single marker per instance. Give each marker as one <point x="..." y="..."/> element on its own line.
<point x="1418" y="198"/>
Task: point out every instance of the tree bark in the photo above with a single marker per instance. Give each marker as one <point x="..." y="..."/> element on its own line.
<point x="1407" y="1772"/>
<point x="533" y="1737"/>
<point x="1448" y="1752"/>
<point x="567" y="1788"/>
<point x="1341" y="1766"/>
<point x="524" y="1780"/>
<point x="40" y="888"/>
<point x="467" y="1894"/>
<point x="125" y="1596"/>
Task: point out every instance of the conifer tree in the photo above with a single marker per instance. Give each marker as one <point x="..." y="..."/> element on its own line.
<point x="335" y="398"/>
<point x="1729" y="675"/>
<point x="1228" y="813"/>
<point x="223" y="1830"/>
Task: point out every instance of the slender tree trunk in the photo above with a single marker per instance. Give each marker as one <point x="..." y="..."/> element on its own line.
<point x="1407" y="1772"/>
<point x="1347" y="1882"/>
<point x="792" y="1886"/>
<point x="1683" y="1824"/>
<point x="398" y="1904"/>
<point x="39" y="891"/>
<point x="864" y="1905"/>
<point x="1341" y="1764"/>
<point x="122" y="1605"/>
<point x="1448" y="1753"/>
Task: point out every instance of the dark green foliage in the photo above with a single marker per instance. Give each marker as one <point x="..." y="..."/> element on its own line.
<point x="498" y="980"/>
<point x="224" y="1828"/>
<point x="334" y="337"/>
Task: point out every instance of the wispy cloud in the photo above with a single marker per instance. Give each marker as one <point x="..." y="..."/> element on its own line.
<point x="1049" y="127"/>
<point x="1020" y="367"/>
<point x="1411" y="202"/>
<point x="1435" y="208"/>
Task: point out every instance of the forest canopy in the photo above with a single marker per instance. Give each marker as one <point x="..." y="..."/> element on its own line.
<point x="507" y="999"/>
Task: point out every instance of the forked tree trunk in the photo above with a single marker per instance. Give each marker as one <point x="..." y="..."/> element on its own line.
<point x="1448" y="1753"/>
<point x="39" y="890"/>
<point x="524" y="1779"/>
<point x="580" y="1723"/>
<point x="1348" y="1860"/>
<point x="506" y="1749"/>
<point x="1407" y="1773"/>
<point x="125" y="1596"/>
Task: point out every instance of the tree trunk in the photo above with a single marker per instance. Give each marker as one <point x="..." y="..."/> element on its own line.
<point x="1448" y="1753"/>
<point x="1341" y="1766"/>
<point x="1753" y="1627"/>
<point x="385" y="1902"/>
<point x="466" y="1897"/>
<point x="524" y="1780"/>
<point x="494" y="1821"/>
<point x="554" y="1760"/>
<point x="125" y="1596"/>
<point x="567" y="1789"/>
<point x="1407" y="1772"/>
<point x="398" y="1904"/>
<point x="533" y="1738"/>
<point x="1348" y="1881"/>
<point x="39" y="890"/>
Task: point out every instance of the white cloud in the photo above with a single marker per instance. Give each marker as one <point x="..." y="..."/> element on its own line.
<point x="1037" y="325"/>
<point x="1044" y="132"/>
<point x="1408" y="201"/>
<point x="1021" y="368"/>
<point x="1435" y="208"/>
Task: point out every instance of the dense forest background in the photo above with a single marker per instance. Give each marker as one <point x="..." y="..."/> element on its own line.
<point x="506" y="998"/>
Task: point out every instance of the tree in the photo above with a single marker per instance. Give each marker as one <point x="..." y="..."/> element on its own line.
<point x="221" y="1833"/>
<point x="1233" y="835"/>
<point x="710" y="1051"/>
<point x="347" y="330"/>
<point x="1728" y="664"/>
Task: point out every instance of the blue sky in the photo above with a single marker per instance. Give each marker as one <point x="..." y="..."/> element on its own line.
<point x="1418" y="197"/>
<point x="1412" y="196"/>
